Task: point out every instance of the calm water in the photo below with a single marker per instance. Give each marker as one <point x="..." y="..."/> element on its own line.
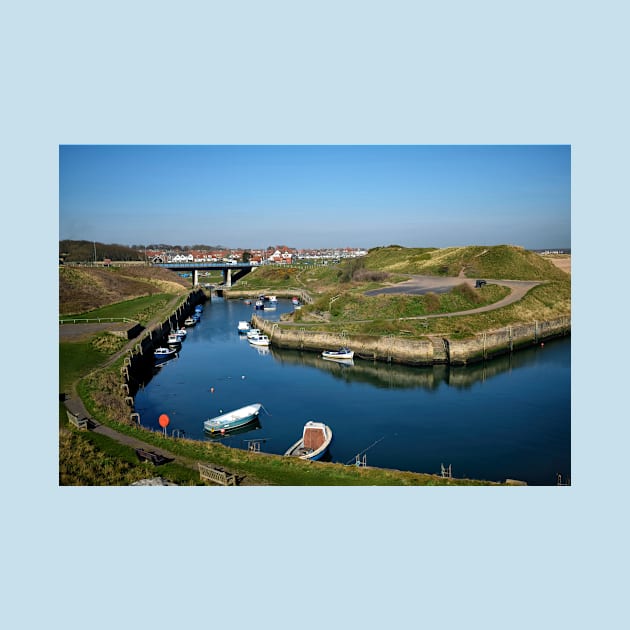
<point x="508" y="418"/>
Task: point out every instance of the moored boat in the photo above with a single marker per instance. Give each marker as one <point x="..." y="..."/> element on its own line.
<point x="259" y="340"/>
<point x="174" y="339"/>
<point x="243" y="326"/>
<point x="232" y="419"/>
<point x="162" y="354"/>
<point x="253" y="332"/>
<point x="314" y="443"/>
<point x="342" y="353"/>
<point x="190" y="321"/>
<point x="260" y="305"/>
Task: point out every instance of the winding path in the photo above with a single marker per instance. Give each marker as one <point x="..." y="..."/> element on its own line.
<point x="419" y="285"/>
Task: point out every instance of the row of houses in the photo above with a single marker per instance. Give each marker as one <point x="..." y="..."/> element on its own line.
<point x="283" y="255"/>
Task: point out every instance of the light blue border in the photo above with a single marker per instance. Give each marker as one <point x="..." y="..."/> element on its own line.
<point x="281" y="72"/>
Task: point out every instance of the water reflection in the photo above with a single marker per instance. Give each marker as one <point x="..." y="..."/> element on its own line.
<point x="394" y="376"/>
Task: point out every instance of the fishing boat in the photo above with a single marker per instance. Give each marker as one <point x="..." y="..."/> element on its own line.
<point x="232" y="419"/>
<point x="342" y="353"/>
<point x="198" y="308"/>
<point x="243" y="327"/>
<point x="181" y="332"/>
<point x="189" y="321"/>
<point x="260" y="305"/>
<point x="174" y="339"/>
<point x="163" y="354"/>
<point x="253" y="332"/>
<point x="314" y="443"/>
<point x="295" y="301"/>
<point x="272" y="298"/>
<point x="259" y="340"/>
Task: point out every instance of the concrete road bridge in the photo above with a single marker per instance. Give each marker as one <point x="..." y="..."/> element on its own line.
<point x="231" y="271"/>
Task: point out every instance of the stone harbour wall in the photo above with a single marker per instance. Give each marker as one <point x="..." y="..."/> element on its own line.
<point x="433" y="350"/>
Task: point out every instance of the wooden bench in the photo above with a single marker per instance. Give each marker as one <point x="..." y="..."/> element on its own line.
<point x="152" y="456"/>
<point x="79" y="423"/>
<point x="208" y="473"/>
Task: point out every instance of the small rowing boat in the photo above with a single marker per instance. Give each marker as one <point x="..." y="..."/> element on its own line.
<point x="314" y="443"/>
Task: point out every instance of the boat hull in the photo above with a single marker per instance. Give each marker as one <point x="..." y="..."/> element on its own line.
<point x="233" y="419"/>
<point x="303" y="452"/>
<point x="338" y="354"/>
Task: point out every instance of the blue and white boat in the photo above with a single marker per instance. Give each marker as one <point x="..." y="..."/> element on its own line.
<point x="164" y="354"/>
<point x="174" y="339"/>
<point x="198" y="308"/>
<point x="232" y="419"/>
<point x="314" y="443"/>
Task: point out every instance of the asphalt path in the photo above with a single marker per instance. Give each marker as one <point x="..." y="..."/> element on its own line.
<point x="419" y="285"/>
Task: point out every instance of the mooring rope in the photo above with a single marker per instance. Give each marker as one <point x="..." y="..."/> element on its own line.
<point x="365" y="450"/>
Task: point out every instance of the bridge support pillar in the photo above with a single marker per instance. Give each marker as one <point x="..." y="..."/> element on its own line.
<point x="195" y="277"/>
<point x="227" y="277"/>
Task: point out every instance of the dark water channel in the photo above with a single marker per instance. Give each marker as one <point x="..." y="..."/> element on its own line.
<point x="507" y="418"/>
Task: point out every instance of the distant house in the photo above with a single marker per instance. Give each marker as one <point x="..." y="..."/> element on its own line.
<point x="281" y="257"/>
<point x="182" y="258"/>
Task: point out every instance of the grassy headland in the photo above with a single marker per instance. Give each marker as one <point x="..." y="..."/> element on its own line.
<point x="340" y="301"/>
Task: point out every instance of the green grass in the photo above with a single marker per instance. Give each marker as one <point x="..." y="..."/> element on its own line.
<point x="141" y="309"/>
<point x="77" y="359"/>
<point x="504" y="262"/>
<point x="91" y="459"/>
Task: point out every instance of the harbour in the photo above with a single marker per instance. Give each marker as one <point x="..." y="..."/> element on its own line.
<point x="508" y="418"/>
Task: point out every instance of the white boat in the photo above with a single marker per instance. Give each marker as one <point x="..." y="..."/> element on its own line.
<point x="314" y="443"/>
<point x="342" y="353"/>
<point x="259" y="340"/>
<point x="190" y="321"/>
<point x="174" y="339"/>
<point x="181" y="332"/>
<point x="162" y="354"/>
<point x="272" y="298"/>
<point x="232" y="419"/>
<point x="243" y="326"/>
<point x="260" y="305"/>
<point x="253" y="332"/>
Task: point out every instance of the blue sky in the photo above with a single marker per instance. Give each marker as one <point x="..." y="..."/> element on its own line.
<point x="317" y="196"/>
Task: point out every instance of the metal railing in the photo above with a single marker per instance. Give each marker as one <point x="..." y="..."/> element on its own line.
<point x="98" y="320"/>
